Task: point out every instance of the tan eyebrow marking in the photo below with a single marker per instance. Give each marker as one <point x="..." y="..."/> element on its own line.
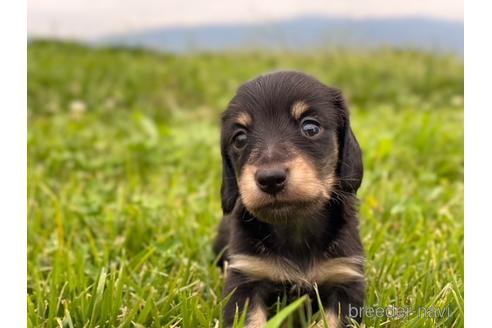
<point x="244" y="119"/>
<point x="335" y="271"/>
<point x="298" y="108"/>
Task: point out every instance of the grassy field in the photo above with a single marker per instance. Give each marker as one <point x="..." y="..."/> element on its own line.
<point x="124" y="177"/>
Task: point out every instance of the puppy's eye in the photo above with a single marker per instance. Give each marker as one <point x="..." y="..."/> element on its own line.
<point x="310" y="127"/>
<point x="240" y="140"/>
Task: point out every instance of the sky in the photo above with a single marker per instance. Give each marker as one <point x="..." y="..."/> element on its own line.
<point x="92" y="19"/>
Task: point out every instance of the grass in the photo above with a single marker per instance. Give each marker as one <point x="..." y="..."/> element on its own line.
<point x="124" y="177"/>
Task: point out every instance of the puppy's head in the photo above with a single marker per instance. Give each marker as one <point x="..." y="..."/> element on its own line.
<point x="287" y="147"/>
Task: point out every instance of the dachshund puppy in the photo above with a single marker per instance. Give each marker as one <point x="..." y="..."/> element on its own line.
<point x="291" y="170"/>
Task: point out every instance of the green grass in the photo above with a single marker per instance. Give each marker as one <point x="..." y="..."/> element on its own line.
<point x="123" y="197"/>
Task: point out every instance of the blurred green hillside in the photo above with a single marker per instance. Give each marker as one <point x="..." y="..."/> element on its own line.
<point x="124" y="176"/>
<point x="159" y="84"/>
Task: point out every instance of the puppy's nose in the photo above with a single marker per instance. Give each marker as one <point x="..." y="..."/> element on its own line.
<point x="271" y="180"/>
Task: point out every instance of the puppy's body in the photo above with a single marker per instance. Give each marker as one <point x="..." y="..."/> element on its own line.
<point x="291" y="168"/>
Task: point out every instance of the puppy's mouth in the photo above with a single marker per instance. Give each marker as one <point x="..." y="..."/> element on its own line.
<point x="283" y="211"/>
<point x="284" y="192"/>
<point x="278" y="204"/>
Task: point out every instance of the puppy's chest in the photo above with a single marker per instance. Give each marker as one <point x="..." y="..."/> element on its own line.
<point x="301" y="275"/>
<point x="291" y="291"/>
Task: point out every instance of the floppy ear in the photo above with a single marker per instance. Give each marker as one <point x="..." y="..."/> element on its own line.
<point x="229" y="189"/>
<point x="350" y="167"/>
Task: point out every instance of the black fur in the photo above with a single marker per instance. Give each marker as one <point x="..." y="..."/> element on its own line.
<point x="332" y="231"/>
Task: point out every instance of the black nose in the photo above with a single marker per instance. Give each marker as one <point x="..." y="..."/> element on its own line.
<point x="271" y="180"/>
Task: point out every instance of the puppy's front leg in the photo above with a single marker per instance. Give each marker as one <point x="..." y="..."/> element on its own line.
<point x="244" y="292"/>
<point x="343" y="304"/>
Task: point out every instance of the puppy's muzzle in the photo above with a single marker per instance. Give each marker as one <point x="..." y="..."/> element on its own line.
<point x="271" y="180"/>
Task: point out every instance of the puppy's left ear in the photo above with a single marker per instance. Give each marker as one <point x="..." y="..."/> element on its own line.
<point x="350" y="167"/>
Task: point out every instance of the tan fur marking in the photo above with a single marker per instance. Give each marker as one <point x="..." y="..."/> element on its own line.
<point x="298" y="109"/>
<point x="329" y="182"/>
<point x="338" y="270"/>
<point x="332" y="319"/>
<point x="277" y="269"/>
<point x="226" y="268"/>
<point x="244" y="119"/>
<point x="257" y="317"/>
<point x="273" y="269"/>
<point x="250" y="194"/>
<point x="304" y="180"/>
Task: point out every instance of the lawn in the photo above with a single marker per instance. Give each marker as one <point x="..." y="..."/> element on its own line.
<point x="124" y="176"/>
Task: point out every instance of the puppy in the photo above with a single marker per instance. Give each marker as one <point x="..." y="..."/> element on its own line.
<point x="291" y="170"/>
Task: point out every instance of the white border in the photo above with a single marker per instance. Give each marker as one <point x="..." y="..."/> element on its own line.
<point x="478" y="163"/>
<point x="478" y="145"/>
<point x="13" y="141"/>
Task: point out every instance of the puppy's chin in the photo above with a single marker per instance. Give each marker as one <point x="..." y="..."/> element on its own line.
<point x="285" y="213"/>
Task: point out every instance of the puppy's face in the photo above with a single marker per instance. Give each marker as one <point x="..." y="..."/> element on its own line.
<point x="280" y="138"/>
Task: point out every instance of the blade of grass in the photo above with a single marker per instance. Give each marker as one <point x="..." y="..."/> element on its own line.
<point x="277" y="320"/>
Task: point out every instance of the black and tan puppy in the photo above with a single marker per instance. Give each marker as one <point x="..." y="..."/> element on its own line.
<point x="291" y="170"/>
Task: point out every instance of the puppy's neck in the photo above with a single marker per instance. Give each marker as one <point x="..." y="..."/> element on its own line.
<point x="301" y="232"/>
<point x="301" y="238"/>
<point x="304" y="238"/>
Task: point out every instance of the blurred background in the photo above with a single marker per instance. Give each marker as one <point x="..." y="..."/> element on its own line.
<point x="124" y="102"/>
<point x="195" y="25"/>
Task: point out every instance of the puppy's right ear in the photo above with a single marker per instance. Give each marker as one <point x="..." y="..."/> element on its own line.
<point x="350" y="167"/>
<point x="229" y="189"/>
